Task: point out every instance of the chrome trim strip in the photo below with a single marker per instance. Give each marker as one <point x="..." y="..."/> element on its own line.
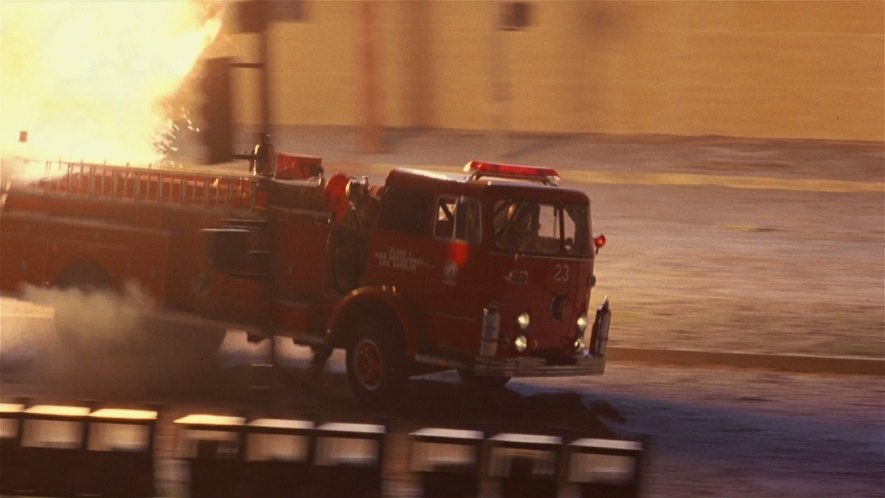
<point x="438" y="361"/>
<point x="537" y="367"/>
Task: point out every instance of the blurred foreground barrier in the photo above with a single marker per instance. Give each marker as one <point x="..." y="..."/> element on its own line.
<point x="605" y="467"/>
<point x="536" y="465"/>
<point x="279" y="456"/>
<point x="229" y="457"/>
<point x="212" y="446"/>
<point x="448" y="461"/>
<point x="11" y="476"/>
<point x="351" y="457"/>
<point x="119" y="460"/>
<point x="50" y="450"/>
<point x="525" y="464"/>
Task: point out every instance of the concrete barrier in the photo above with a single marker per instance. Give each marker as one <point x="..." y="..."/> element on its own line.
<point x="448" y="461"/>
<point x="53" y="450"/>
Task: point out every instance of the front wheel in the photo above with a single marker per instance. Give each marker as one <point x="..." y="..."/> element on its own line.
<point x="376" y="364"/>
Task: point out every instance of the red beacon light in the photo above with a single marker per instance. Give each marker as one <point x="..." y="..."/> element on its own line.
<point x="599" y="242"/>
<point x="477" y="169"/>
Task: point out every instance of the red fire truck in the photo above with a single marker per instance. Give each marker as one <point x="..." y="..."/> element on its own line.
<point x="488" y="272"/>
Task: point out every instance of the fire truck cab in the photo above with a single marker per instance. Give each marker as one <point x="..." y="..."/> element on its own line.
<point x="489" y="273"/>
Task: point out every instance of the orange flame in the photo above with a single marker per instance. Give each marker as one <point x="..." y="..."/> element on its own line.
<point x="86" y="80"/>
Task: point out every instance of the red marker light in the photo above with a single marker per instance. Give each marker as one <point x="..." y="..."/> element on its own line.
<point x="477" y="169"/>
<point x="599" y="242"/>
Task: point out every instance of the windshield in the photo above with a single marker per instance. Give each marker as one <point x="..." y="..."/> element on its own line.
<point x="541" y="228"/>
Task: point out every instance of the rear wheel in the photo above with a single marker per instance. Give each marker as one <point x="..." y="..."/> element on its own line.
<point x="376" y="363"/>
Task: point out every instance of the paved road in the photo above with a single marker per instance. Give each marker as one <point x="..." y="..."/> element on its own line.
<point x="734" y="433"/>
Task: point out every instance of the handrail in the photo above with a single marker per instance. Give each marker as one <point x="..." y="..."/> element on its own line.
<point x="136" y="184"/>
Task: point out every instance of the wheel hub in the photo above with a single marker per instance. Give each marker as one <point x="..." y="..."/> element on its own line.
<point x="368" y="364"/>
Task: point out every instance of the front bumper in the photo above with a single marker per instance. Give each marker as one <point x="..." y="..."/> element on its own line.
<point x="528" y="366"/>
<point x="537" y="367"/>
<point x="591" y="363"/>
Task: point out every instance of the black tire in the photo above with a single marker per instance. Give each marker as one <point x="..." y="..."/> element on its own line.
<point x="376" y="364"/>
<point x="471" y="380"/>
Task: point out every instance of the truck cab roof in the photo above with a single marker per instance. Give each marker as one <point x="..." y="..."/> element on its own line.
<point x="461" y="184"/>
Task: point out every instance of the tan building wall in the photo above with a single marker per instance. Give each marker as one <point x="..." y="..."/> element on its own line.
<point x="795" y="69"/>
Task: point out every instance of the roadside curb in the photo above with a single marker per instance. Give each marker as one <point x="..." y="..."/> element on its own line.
<point x="783" y="363"/>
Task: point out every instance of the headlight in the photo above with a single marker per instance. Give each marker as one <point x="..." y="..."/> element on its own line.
<point x="523" y="320"/>
<point x="520" y="343"/>
<point x="582" y="323"/>
<point x="579" y="345"/>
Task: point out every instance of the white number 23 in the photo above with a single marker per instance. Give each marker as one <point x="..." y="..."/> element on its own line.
<point x="560" y="272"/>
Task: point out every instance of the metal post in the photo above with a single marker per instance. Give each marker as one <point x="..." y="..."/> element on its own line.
<point x="500" y="87"/>
<point x="371" y="128"/>
<point x="264" y="59"/>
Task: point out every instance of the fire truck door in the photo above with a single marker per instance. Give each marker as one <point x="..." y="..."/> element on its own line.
<point x="400" y="249"/>
<point x="455" y="287"/>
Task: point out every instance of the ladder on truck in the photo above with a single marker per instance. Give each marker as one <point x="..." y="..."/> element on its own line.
<point x="149" y="185"/>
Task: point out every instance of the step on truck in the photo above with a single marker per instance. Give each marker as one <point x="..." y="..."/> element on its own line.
<point x="488" y="272"/>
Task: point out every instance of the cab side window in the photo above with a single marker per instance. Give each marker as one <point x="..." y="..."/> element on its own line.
<point x="445" y="218"/>
<point x="458" y="218"/>
<point x="404" y="210"/>
<point x="576" y="230"/>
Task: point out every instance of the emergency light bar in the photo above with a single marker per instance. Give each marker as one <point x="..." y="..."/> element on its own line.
<point x="477" y="169"/>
